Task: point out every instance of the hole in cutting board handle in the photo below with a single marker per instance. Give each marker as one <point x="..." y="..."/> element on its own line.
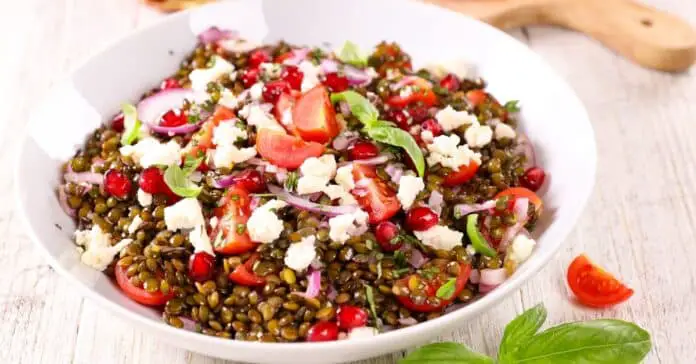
<point x="646" y="23"/>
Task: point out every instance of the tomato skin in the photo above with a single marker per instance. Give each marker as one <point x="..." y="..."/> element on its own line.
<point x="476" y="97"/>
<point x="244" y="273"/>
<point x="521" y="192"/>
<point x="284" y="105"/>
<point x="314" y="116"/>
<point x="284" y="150"/>
<point x="138" y="294"/>
<point x="593" y="286"/>
<point x="460" y="283"/>
<point x="463" y="175"/>
<point x="424" y="94"/>
<point x="375" y="196"/>
<point x="233" y="212"/>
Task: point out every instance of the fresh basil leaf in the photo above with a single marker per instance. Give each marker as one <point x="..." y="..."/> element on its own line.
<point x="382" y="123"/>
<point x="595" y="342"/>
<point x="179" y="183"/>
<point x="512" y="106"/>
<point x="350" y="53"/>
<point x="400" y="138"/>
<point x="445" y="353"/>
<point x="446" y="291"/>
<point x="191" y="164"/>
<point x="521" y="328"/>
<point x="360" y="107"/>
<point x="131" y="124"/>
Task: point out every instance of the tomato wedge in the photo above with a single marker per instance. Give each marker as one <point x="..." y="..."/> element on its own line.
<point x="283" y="111"/>
<point x="476" y="97"/>
<point x="314" y="116"/>
<point x="373" y="194"/>
<point x="284" y="150"/>
<point x="421" y="91"/>
<point x="521" y="192"/>
<point x="230" y="235"/>
<point x="244" y="273"/>
<point x="432" y="284"/>
<point x="139" y="294"/>
<point x="463" y="175"/>
<point x="593" y="286"/>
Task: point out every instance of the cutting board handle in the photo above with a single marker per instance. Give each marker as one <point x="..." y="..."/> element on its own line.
<point x="650" y="37"/>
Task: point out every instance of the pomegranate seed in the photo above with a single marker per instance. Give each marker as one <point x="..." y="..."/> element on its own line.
<point x="250" y="77"/>
<point x="385" y="232"/>
<point x="257" y="57"/>
<point x="432" y="126"/>
<point x="323" y="331"/>
<point x="201" y="266"/>
<point x="117" y="184"/>
<point x="400" y="117"/>
<point x="533" y="178"/>
<point x="293" y="76"/>
<point x="418" y="113"/>
<point x="362" y="149"/>
<point x="117" y="123"/>
<point x="450" y="82"/>
<point x="151" y="180"/>
<point x="351" y="316"/>
<point x="173" y="118"/>
<point x="335" y="82"/>
<point x="170" y="83"/>
<point x="250" y="180"/>
<point x="421" y="219"/>
<point x="273" y="90"/>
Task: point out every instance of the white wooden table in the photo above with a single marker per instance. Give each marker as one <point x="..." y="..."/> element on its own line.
<point x="640" y="222"/>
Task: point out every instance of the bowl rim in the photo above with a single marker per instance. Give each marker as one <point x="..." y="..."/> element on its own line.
<point x="430" y="327"/>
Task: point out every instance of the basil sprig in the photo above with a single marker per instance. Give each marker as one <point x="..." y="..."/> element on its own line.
<point x="381" y="130"/>
<point x="177" y="178"/>
<point x="602" y="341"/>
<point x="131" y="124"/>
<point x="351" y="54"/>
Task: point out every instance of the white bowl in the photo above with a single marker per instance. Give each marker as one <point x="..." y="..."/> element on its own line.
<point x="552" y="115"/>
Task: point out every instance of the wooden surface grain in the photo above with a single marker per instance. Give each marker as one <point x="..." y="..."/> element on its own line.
<point x="640" y="222"/>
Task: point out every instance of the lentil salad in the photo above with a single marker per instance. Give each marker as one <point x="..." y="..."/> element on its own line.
<point x="280" y="193"/>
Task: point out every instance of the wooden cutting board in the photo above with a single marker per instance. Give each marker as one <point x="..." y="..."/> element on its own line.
<point x="650" y="37"/>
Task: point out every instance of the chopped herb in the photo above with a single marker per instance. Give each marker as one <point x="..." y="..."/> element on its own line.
<point x="131" y="124"/>
<point x="399" y="258"/>
<point x="291" y="181"/>
<point x="429" y="273"/>
<point x="234" y="197"/>
<point x="395" y="240"/>
<point x="369" y="293"/>
<point x="512" y="106"/>
<point x="240" y="124"/>
<point x="379" y="269"/>
<point x="370" y="244"/>
<point x="191" y="164"/>
<point x="208" y="105"/>
<point x="211" y="62"/>
<point x="241" y="228"/>
<point x="446" y="291"/>
<point x="316" y="55"/>
<point x="398" y="272"/>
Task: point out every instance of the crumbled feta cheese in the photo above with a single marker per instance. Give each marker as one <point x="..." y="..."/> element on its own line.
<point x="202" y="76"/>
<point x="440" y="237"/>
<point x="446" y="151"/>
<point x="256" y="91"/>
<point x="310" y="75"/>
<point x="344" y="177"/>
<point x="257" y="117"/>
<point x="341" y="227"/>
<point x="363" y="332"/>
<point x="338" y="192"/>
<point x="286" y="117"/>
<point x="263" y="225"/>
<point x="270" y="70"/>
<point x="521" y="248"/>
<point x="149" y="152"/>
<point x="228" y="133"/>
<point x="228" y="99"/>
<point x="135" y="224"/>
<point x="316" y="174"/>
<point x="226" y="153"/>
<point x="459" y="68"/>
<point x="301" y="254"/>
<point x="238" y="45"/>
<point x="427" y="136"/>
<point x="504" y="131"/>
<point x="470" y="250"/>
<point x="144" y="198"/>
<point x="200" y="240"/>
<point x="451" y="119"/>
<point x="185" y="214"/>
<point x="409" y="187"/>
<point x="213" y="222"/>
<point x="97" y="251"/>
<point x="477" y="136"/>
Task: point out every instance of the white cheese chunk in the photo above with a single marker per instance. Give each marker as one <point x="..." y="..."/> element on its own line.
<point x="344" y="177"/>
<point x="144" y="198"/>
<point x="504" y="131"/>
<point x="202" y="76"/>
<point x="338" y="192"/>
<point x="440" y="237"/>
<point x="135" y="224"/>
<point x="363" y="332"/>
<point x="427" y="136"/>
<point x="185" y="214"/>
<point x="460" y="68"/>
<point x="521" y="248"/>
<point x="97" y="251"/>
<point x="228" y="99"/>
<point x="478" y="136"/>
<point x="470" y="250"/>
<point x="409" y="187"/>
<point x="342" y="227"/>
<point x="200" y="240"/>
<point x="226" y="153"/>
<point x="310" y="77"/>
<point x="149" y="152"/>
<point x="444" y="150"/>
<point x="301" y="254"/>
<point x="256" y="91"/>
<point x="451" y="119"/>
<point x="238" y="45"/>
<point x="263" y="225"/>
<point x="316" y="174"/>
<point x="256" y="116"/>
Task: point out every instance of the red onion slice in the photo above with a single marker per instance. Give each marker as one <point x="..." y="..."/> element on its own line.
<point x="417" y="258"/>
<point x="525" y="147"/>
<point x="151" y="109"/>
<point x="331" y="293"/>
<point x="466" y="209"/>
<point x="492" y="277"/>
<point x="408" y="321"/>
<point x="298" y="55"/>
<point x="304" y="204"/>
<point x="475" y="276"/>
<point x="215" y="34"/>
<point x="354" y="75"/>
<point x="395" y="171"/>
<point x="484" y="288"/>
<point x="435" y="202"/>
<point x="63" y="201"/>
<point x="84" y="178"/>
<point x="520" y="209"/>
<point x="313" y="284"/>
<point x="343" y="140"/>
<point x="225" y="181"/>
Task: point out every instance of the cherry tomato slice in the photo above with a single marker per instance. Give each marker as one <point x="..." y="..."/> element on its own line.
<point x="476" y="97"/>
<point x="521" y="192"/>
<point x="230" y="235"/>
<point x="139" y="294"/>
<point x="463" y="175"/>
<point x="314" y="116"/>
<point x="593" y="286"/>
<point x="374" y="195"/>
<point x="432" y="286"/>
<point x="284" y="150"/>
<point x="244" y="273"/>
<point x="421" y="92"/>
